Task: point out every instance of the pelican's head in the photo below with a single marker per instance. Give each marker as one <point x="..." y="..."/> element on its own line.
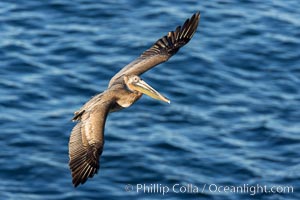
<point x="135" y="84"/>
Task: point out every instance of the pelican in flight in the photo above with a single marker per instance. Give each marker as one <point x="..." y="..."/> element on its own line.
<point x="126" y="87"/>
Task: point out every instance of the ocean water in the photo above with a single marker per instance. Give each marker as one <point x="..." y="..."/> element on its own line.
<point x="234" y="89"/>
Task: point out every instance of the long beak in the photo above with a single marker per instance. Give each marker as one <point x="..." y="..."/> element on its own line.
<point x="144" y="88"/>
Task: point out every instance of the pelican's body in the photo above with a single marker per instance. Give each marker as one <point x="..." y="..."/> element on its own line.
<point x="125" y="88"/>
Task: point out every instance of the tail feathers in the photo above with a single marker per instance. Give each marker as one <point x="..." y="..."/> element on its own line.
<point x="77" y="115"/>
<point x="85" y="165"/>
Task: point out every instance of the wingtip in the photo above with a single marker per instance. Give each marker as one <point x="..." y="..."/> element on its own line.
<point x="84" y="163"/>
<point x="75" y="184"/>
<point x="197" y="15"/>
<point x="80" y="176"/>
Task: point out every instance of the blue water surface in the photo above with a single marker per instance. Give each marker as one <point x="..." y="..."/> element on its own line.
<point x="234" y="89"/>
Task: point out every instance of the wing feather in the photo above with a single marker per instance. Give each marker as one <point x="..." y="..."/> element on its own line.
<point x="162" y="50"/>
<point x="86" y="143"/>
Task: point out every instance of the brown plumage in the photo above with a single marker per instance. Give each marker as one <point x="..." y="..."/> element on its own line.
<point x="87" y="137"/>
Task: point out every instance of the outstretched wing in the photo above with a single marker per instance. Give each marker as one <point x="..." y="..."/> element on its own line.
<point x="86" y="142"/>
<point x="162" y="50"/>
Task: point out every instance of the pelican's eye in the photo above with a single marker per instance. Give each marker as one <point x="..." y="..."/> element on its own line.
<point x="136" y="79"/>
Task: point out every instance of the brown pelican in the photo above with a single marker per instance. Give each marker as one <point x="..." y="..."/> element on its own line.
<point x="87" y="137"/>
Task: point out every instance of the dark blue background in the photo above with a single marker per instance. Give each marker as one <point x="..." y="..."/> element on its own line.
<point x="234" y="90"/>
